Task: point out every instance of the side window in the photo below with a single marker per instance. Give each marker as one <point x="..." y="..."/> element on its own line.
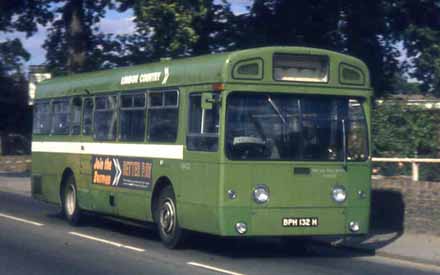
<point x="60" y="117"/>
<point x="132" y="117"/>
<point x="357" y="141"/>
<point x="42" y="118"/>
<point x="203" y="125"/>
<point x="75" y="116"/>
<point x="87" y="116"/>
<point x="163" y="116"/>
<point x="105" y="119"/>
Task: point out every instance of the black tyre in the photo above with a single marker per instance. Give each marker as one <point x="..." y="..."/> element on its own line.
<point x="171" y="234"/>
<point x="70" y="207"/>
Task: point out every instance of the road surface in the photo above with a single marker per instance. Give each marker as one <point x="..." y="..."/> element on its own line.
<point x="34" y="239"/>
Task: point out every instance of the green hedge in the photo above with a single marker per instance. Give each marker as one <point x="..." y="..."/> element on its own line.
<point x="400" y="130"/>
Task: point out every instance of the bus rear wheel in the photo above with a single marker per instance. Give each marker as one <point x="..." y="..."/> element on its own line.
<point x="171" y="234"/>
<point x="70" y="202"/>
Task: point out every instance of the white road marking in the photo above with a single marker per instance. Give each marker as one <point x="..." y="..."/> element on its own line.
<point x="107" y="242"/>
<point x="212" y="268"/>
<point x="20" y="220"/>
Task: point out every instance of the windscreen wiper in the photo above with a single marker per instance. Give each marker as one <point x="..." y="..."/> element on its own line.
<point x="277" y="110"/>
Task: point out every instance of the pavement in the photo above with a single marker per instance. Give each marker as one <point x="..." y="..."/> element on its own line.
<point x="33" y="231"/>
<point x="17" y="183"/>
<point x="409" y="246"/>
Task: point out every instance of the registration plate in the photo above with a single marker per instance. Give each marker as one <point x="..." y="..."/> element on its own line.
<point x="300" y="222"/>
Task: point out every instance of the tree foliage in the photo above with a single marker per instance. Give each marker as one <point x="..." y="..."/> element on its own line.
<point x="417" y="24"/>
<point x="17" y="16"/>
<point x="176" y="28"/>
<point x="74" y="43"/>
<point x="369" y="30"/>
<point x="23" y="15"/>
<point x="358" y="28"/>
<point x="400" y="130"/>
<point x="403" y="131"/>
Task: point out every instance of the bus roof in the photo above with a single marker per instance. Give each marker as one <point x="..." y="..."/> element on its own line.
<point x="213" y="68"/>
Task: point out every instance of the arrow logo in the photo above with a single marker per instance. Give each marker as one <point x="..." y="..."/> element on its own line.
<point x="166" y="72"/>
<point x="118" y="172"/>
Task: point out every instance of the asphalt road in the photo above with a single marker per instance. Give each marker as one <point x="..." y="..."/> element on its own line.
<point x="34" y="239"/>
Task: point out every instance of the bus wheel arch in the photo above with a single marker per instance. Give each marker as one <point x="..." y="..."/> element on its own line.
<point x="66" y="174"/>
<point x="160" y="184"/>
<point x="69" y="197"/>
<point x="164" y="212"/>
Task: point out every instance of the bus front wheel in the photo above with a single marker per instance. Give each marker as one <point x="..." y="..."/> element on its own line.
<point x="171" y="234"/>
<point x="70" y="202"/>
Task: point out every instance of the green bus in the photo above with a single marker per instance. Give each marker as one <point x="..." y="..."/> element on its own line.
<point x="269" y="141"/>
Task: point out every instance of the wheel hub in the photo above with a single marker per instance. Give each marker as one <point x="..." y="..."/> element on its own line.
<point x="167" y="216"/>
<point x="70" y="200"/>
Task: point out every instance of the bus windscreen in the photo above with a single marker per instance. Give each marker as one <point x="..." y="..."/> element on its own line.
<point x="273" y="126"/>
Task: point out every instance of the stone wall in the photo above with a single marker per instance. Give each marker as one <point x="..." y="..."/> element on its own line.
<point x="404" y="205"/>
<point x="15" y="164"/>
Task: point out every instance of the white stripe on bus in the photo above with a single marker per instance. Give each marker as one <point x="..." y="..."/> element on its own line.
<point x="111" y="149"/>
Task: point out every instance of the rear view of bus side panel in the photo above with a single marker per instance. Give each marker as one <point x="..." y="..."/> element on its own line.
<point x="43" y="185"/>
<point x="52" y="132"/>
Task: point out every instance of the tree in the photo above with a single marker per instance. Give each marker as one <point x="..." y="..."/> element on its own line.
<point x="417" y="24"/>
<point x="403" y="86"/>
<point x="216" y="28"/>
<point x="399" y="130"/>
<point x="74" y="43"/>
<point x="23" y="15"/>
<point x="424" y="49"/>
<point x="300" y="23"/>
<point x="368" y="38"/>
<point x="176" y="28"/>
<point x="405" y="131"/>
<point x="17" y="16"/>
<point x="358" y="28"/>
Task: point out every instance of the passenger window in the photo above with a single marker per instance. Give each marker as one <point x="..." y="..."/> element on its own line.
<point x="105" y="119"/>
<point x="42" y="118"/>
<point x="163" y="116"/>
<point x="87" y="116"/>
<point x="132" y="116"/>
<point x="203" y="125"/>
<point x="60" y="117"/>
<point x="75" y="116"/>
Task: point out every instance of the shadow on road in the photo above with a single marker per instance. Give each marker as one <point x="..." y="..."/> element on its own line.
<point x="387" y="221"/>
<point x="242" y="248"/>
<point x="386" y="224"/>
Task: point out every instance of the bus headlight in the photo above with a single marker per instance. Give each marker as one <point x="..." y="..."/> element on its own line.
<point x="261" y="193"/>
<point x="339" y="195"/>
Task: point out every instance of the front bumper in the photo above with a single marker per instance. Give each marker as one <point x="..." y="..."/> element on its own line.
<point x="269" y="221"/>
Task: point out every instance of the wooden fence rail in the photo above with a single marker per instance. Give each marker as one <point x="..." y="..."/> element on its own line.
<point x="415" y="163"/>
